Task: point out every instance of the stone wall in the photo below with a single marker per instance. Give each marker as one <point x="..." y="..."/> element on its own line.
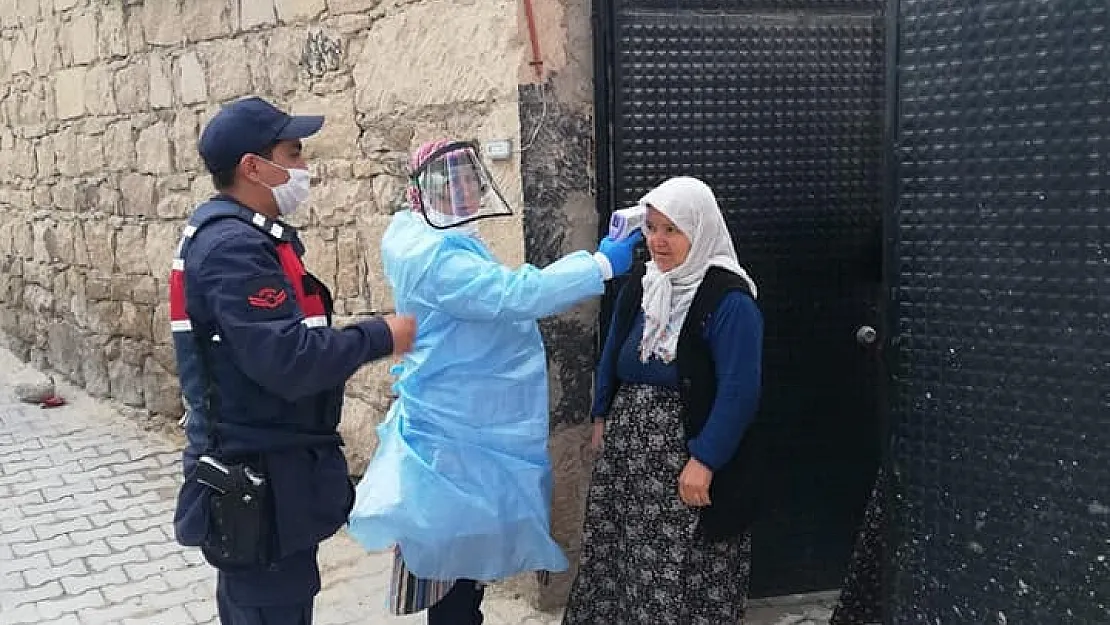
<point x="101" y="102"/>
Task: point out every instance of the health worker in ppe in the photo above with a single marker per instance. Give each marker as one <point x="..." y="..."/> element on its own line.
<point x="460" y="483"/>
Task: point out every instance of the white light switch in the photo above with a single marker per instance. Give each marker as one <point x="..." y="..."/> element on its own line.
<point x="499" y="149"/>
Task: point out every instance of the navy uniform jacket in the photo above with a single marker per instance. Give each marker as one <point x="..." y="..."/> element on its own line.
<point x="272" y="374"/>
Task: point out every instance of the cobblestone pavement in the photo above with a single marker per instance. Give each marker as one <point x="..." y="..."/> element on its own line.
<point x="86" y="534"/>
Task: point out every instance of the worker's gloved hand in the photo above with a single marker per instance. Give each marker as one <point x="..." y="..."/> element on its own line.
<point x="619" y="253"/>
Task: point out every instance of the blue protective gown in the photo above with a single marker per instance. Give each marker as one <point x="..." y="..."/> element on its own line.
<point x="461" y="479"/>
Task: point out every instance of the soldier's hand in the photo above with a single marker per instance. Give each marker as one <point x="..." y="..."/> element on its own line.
<point x="403" y="329"/>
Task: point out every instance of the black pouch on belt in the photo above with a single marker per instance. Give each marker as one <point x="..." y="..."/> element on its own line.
<point x="241" y="532"/>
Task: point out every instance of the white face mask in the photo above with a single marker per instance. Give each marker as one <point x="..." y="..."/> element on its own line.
<point x="291" y="193"/>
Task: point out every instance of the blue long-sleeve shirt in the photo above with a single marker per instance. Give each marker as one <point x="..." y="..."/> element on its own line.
<point x="734" y="333"/>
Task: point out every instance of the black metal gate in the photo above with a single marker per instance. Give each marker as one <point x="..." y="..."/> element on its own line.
<point x="778" y="105"/>
<point x="1001" y="280"/>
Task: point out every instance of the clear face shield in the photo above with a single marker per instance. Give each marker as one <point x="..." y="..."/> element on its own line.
<point x="454" y="187"/>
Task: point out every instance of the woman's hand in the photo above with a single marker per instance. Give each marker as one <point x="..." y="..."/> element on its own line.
<point x="599" y="431"/>
<point x="693" y="484"/>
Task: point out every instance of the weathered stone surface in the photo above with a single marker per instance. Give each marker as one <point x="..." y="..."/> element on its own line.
<point x="131" y="249"/>
<point x="335" y="202"/>
<point x="90" y="153"/>
<point x="46" y="47"/>
<point x="185" y="134"/>
<point x="338" y="7"/>
<point x="113" y="31"/>
<point x="153" y="150"/>
<point x="207" y="19"/>
<point x="339" y="136"/>
<point x="62" y="5"/>
<point x="126" y="382"/>
<point x="161" y="81"/>
<point x="350" y="270"/>
<point x="69" y="92"/>
<point x="283" y="60"/>
<point x="119" y="146"/>
<point x="256" y="13"/>
<point x="132" y="86"/>
<point x="137" y="193"/>
<point x="100" y="98"/>
<point x="81" y="41"/>
<point x="160" y="390"/>
<point x="191" y="85"/>
<point x="161" y="22"/>
<point x="100" y="239"/>
<point x="298" y="10"/>
<point x="21" y="59"/>
<point x="468" y="66"/>
<point x="224" y="61"/>
<point x="319" y="257"/>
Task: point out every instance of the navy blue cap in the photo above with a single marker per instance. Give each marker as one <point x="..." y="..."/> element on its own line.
<point x="249" y="126"/>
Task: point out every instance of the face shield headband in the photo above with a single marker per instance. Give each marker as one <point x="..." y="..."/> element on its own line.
<point x="454" y="187"/>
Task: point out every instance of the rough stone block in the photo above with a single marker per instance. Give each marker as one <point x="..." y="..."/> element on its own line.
<point x="90" y="154"/>
<point x="100" y="241"/>
<point x="207" y="19"/>
<point x="339" y="136"/>
<point x="137" y="193"/>
<point x="298" y="10"/>
<point x="191" y="85"/>
<point x="144" y="290"/>
<point x="162" y="22"/>
<point x="69" y="92"/>
<point x="21" y="59"/>
<point x="126" y="383"/>
<point x="62" y="5"/>
<point x="161" y="390"/>
<point x="319" y="257"/>
<point x="46" y="47"/>
<point x="100" y="97"/>
<point x="160" y="244"/>
<point x="470" y="65"/>
<point x="119" y="146"/>
<point x="135" y="320"/>
<point x="335" y="202"/>
<point x="174" y="206"/>
<point x="132" y="87"/>
<point x="131" y="249"/>
<point x="94" y="368"/>
<point x="161" y="81"/>
<point x="224" y="61"/>
<point x="80" y="39"/>
<point x="113" y="31"/>
<point x="283" y="56"/>
<point x="62" y="350"/>
<point x="338" y="7"/>
<point x="256" y="13"/>
<point x="153" y="150"/>
<point x="350" y="253"/>
<point x="185" y="134"/>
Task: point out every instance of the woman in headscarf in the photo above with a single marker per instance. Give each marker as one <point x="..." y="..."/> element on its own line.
<point x="460" y="483"/>
<point x="665" y="540"/>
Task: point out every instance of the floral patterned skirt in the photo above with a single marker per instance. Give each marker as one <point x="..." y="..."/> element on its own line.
<point x="642" y="561"/>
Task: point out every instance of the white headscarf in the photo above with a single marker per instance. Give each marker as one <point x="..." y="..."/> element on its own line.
<point x="691" y="205"/>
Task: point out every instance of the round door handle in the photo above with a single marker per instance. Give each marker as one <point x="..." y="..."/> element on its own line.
<point x="866" y="335"/>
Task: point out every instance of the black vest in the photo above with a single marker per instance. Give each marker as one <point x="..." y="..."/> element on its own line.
<point x="738" y="488"/>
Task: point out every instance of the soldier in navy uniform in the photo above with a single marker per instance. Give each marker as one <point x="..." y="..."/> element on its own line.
<point x="263" y="373"/>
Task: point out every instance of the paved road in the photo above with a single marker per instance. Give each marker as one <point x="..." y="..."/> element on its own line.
<point x="86" y="502"/>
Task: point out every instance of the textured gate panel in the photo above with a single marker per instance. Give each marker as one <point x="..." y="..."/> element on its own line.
<point x="1002" y="398"/>
<point x="735" y="6"/>
<point x="782" y="117"/>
